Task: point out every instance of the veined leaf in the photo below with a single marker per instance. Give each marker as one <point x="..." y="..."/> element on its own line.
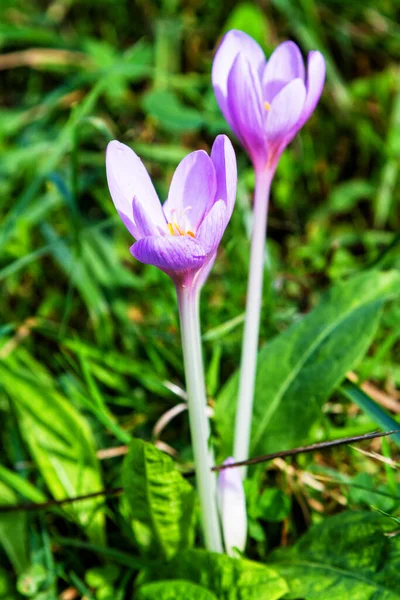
<point x="228" y="578"/>
<point x="60" y="442"/>
<point x="159" y="497"/>
<point x="173" y="590"/>
<point x="298" y="369"/>
<point x="349" y="555"/>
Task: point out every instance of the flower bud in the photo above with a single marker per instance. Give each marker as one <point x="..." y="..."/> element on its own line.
<point x="232" y="508"/>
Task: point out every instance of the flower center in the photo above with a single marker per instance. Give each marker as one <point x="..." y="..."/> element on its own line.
<point x="174" y="229"/>
<point x="181" y="227"/>
<point x="267" y="106"/>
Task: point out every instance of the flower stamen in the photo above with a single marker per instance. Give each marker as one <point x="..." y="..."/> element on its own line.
<point x="267" y="106"/>
<point x="174" y="229"/>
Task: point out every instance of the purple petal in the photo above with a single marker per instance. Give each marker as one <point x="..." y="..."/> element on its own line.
<point x="315" y="83"/>
<point x="286" y="63"/>
<point x="145" y="226"/>
<point x="204" y="271"/>
<point x="170" y="253"/>
<point x="224" y="160"/>
<point x="129" y="224"/>
<point x="245" y="102"/>
<point x="192" y="189"/>
<point x="233" y="43"/>
<point x="127" y="177"/>
<point x="286" y="110"/>
<point x="213" y="227"/>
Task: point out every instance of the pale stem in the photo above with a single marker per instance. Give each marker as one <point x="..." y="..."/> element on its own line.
<point x="188" y="299"/>
<point x="248" y="364"/>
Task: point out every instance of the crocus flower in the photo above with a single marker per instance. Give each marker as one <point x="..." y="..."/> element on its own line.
<point x="232" y="508"/>
<point x="265" y="102"/>
<point x="181" y="236"/>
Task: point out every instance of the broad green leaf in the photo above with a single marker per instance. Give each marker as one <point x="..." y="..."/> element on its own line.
<point x="173" y="590"/>
<point x="60" y="442"/>
<point x="228" y="578"/>
<point x="351" y="555"/>
<point x="364" y="492"/>
<point x="298" y="369"/>
<point x="170" y="112"/>
<point x="159" y="497"/>
<point x="13" y="533"/>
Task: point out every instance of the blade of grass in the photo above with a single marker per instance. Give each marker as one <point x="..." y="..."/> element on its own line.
<point x="355" y="394"/>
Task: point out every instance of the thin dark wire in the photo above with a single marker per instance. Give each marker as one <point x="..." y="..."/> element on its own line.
<point x="27" y="506"/>
<point x="304" y="449"/>
<point x="33" y="506"/>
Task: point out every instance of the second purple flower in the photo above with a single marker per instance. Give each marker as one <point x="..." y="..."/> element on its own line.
<point x="265" y="102"/>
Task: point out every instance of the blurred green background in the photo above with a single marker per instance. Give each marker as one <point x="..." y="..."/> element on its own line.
<point x="89" y="339"/>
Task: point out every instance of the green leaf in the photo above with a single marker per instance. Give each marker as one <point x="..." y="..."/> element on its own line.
<point x="6" y="588"/>
<point x="173" y="590"/>
<point x="60" y="442"/>
<point x="371" y="408"/>
<point x="169" y="111"/>
<point x="228" y="578"/>
<point x="250" y="18"/>
<point x="364" y="491"/>
<point x="159" y="497"/>
<point x="274" y="505"/>
<point x="32" y="580"/>
<point x="351" y="555"/>
<point x="20" y="485"/>
<point x="13" y="532"/>
<point x="298" y="369"/>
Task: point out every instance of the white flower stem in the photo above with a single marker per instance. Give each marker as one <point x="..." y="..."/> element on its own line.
<point x="188" y="298"/>
<point x="248" y="365"/>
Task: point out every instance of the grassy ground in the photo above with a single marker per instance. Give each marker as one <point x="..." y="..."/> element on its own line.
<point x="89" y="339"/>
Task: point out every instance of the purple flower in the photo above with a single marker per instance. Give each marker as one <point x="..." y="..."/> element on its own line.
<point x="265" y="102"/>
<point x="181" y="236"/>
<point x="232" y="508"/>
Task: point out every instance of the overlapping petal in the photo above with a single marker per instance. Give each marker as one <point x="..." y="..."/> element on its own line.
<point x="204" y="271"/>
<point x="127" y="177"/>
<point x="286" y="110"/>
<point x="224" y="161"/>
<point x="246" y="105"/>
<point x="233" y="43"/>
<point x="315" y="83"/>
<point x="212" y="228"/>
<point x="144" y="223"/>
<point x="170" y="253"/>
<point x="192" y="189"/>
<point x="286" y="63"/>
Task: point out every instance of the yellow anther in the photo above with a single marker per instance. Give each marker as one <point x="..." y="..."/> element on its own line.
<point x="267" y="106"/>
<point x="179" y="230"/>
<point x="174" y="229"/>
